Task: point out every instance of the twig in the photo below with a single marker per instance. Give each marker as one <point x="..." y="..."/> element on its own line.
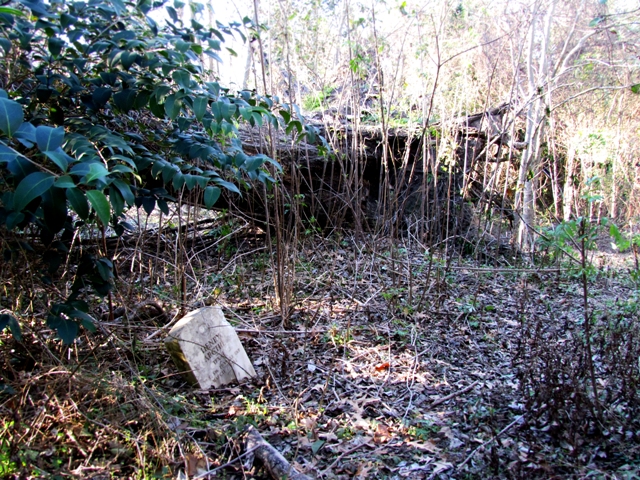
<point x="339" y="459"/>
<point x="466" y="460"/>
<point x="285" y="332"/>
<point x="508" y="269"/>
<point x="454" y="394"/>
<point x="229" y="463"/>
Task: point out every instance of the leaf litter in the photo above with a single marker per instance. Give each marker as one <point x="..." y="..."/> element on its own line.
<point x="396" y="364"/>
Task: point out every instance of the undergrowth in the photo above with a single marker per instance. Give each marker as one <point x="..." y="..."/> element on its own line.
<point x="379" y="334"/>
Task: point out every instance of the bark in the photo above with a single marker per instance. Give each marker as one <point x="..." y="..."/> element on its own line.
<point x="537" y="78"/>
<point x="568" y="193"/>
<point x="272" y="460"/>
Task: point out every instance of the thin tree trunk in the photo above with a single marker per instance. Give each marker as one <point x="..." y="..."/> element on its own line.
<point x="529" y="166"/>
<point x="568" y="193"/>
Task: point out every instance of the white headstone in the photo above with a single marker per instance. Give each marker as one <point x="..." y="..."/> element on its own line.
<point x="207" y="349"/>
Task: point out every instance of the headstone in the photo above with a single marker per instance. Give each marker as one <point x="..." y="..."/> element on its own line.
<point x="207" y="349"/>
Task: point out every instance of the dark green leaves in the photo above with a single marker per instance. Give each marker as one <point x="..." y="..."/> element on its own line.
<point x="67" y="329"/>
<point x="31" y="187"/>
<point x="172" y="106"/>
<point x="37" y="7"/>
<point x="11" y="11"/>
<point x="11" y="116"/>
<point x="128" y="59"/>
<point x="228" y="185"/>
<point x="5" y="44"/>
<point x="104" y="266"/>
<point x="182" y="78"/>
<point x="125" y="191"/>
<point x="621" y="242"/>
<point x="10" y="321"/>
<point x="200" y="104"/>
<point x="87" y="65"/>
<point x="101" y="96"/>
<point x="100" y="204"/>
<point x="182" y="46"/>
<point x="211" y="195"/>
<point x="125" y="100"/>
<point x="223" y="110"/>
<point x="173" y="14"/>
<point x="26" y="134"/>
<point x="254" y="163"/>
<point x="97" y="171"/>
<point x="78" y="202"/>
<point x="66" y="318"/>
<point x="596" y="21"/>
<point x="635" y="88"/>
<point x="64" y="181"/>
<point x="294" y="124"/>
<point x="7" y="154"/>
<point x="48" y="138"/>
<point x="55" y="46"/>
<point x="60" y="158"/>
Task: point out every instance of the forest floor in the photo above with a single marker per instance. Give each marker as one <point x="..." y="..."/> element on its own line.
<point x="394" y="364"/>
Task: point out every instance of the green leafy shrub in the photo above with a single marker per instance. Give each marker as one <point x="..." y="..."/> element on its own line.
<point x="102" y="109"/>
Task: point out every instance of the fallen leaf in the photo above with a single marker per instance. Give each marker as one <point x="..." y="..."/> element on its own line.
<point x="308" y="422"/>
<point x="360" y="422"/>
<point x="329" y="436"/>
<point x="446" y="431"/>
<point x="427" y="446"/>
<point x="441" y="467"/>
<point x="304" y="442"/>
<point x="363" y="470"/>
<point x="382" y="434"/>
<point x="454" y="442"/>
<point x="383" y="366"/>
<point x="317" y="445"/>
<point x="192" y="464"/>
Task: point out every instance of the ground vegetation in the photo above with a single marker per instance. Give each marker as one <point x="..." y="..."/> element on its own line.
<point x="469" y="310"/>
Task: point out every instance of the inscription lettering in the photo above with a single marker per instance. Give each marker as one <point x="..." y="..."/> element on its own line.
<point x="211" y="348"/>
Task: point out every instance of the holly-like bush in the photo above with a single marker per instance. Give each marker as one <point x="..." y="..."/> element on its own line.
<point x="103" y="109"/>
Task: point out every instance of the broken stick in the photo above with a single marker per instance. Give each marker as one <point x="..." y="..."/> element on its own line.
<point x="277" y="466"/>
<point x="454" y="394"/>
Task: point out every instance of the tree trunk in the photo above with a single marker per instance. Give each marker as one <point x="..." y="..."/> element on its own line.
<point x="529" y="167"/>
<point x="568" y="193"/>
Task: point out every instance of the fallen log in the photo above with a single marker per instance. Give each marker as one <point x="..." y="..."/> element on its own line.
<point x="272" y="460"/>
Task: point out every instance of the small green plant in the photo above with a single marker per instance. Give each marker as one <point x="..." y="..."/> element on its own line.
<point x="402" y="331"/>
<point x="317" y="101"/>
<point x="556" y="242"/>
<point x="422" y="430"/>
<point x="8" y="321"/>
<point x="336" y="336"/>
<point x="468" y="306"/>
<point x="393" y="296"/>
<point x="345" y="433"/>
<point x="7" y="465"/>
<point x="576" y="238"/>
<point x="623" y="243"/>
<point x="241" y="421"/>
<point x="312" y="226"/>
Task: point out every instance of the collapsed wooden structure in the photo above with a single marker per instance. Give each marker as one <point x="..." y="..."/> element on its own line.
<point x="392" y="178"/>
